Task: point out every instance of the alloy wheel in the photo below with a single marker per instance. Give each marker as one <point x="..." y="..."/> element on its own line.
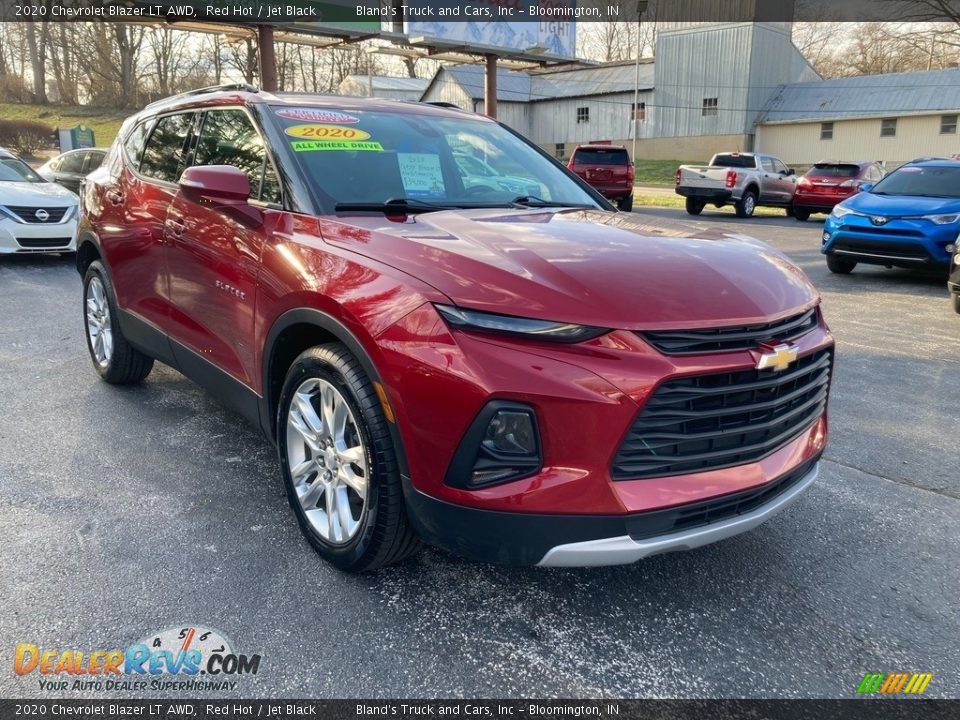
<point x="327" y="460"/>
<point x="98" y="322"/>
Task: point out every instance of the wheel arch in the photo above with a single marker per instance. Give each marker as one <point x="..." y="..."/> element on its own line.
<point x="295" y="331"/>
<point x="88" y="250"/>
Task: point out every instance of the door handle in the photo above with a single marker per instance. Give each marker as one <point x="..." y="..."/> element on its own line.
<point x="114" y="197"/>
<point x="176" y="227"/>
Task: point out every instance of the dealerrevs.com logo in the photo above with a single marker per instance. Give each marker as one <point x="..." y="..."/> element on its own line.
<point x="188" y="658"/>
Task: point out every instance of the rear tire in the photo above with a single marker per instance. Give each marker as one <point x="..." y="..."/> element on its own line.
<point x="840" y="265"/>
<point x="956" y="302"/>
<point x="625" y="203"/>
<point x="115" y="359"/>
<point x="694" y="206"/>
<point x="323" y="469"/>
<point x="801" y="215"/>
<point x="746" y="205"/>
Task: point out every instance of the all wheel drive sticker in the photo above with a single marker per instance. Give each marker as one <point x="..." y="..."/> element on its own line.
<point x="326" y="130"/>
<point x="202" y="658"/>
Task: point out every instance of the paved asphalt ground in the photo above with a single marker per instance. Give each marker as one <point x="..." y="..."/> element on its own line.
<point x="126" y="511"/>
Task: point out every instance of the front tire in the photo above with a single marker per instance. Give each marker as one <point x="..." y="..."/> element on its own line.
<point x="625" y="204"/>
<point x="746" y="205"/>
<point x="956" y="302"/>
<point x="840" y="265"/>
<point x="694" y="206"/>
<point x="339" y="463"/>
<point x="115" y="359"/>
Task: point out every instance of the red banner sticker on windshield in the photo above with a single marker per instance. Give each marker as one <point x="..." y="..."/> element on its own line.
<point x="318" y="115"/>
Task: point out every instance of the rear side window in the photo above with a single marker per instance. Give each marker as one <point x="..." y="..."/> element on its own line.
<point x="92" y="161"/>
<point x="601" y="156"/>
<point x="135" y="141"/>
<point x="834" y="170"/>
<point x="72" y="163"/>
<point x="734" y="161"/>
<point x="163" y="154"/>
<point x="228" y="137"/>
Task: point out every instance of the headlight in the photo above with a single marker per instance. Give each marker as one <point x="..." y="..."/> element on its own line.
<point x="840" y="211"/>
<point x="943" y="219"/>
<point x="523" y="327"/>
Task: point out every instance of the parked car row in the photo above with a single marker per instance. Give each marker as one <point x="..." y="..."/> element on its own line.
<point x="909" y="218"/>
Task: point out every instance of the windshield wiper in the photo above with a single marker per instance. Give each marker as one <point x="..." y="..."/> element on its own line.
<point x="534" y="201"/>
<point x="401" y="204"/>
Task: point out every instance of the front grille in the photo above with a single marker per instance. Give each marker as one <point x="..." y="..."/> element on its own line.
<point x="29" y="214"/>
<point x="737" y="337"/>
<point x="882" y="230"/>
<point x="694" y="424"/>
<point x="688" y="517"/>
<point x="881" y="249"/>
<point x="43" y="242"/>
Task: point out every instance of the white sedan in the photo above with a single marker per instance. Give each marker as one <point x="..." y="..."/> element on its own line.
<point x="35" y="215"/>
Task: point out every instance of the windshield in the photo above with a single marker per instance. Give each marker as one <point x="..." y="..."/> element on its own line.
<point x="734" y="161"/>
<point x="372" y="157"/>
<point x="13" y="170"/>
<point x="932" y="181"/>
<point x="599" y="156"/>
<point x="827" y="170"/>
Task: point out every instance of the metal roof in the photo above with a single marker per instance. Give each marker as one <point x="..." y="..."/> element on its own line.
<point x="913" y="93"/>
<point x="519" y="86"/>
<point x="512" y="86"/>
<point x="383" y="82"/>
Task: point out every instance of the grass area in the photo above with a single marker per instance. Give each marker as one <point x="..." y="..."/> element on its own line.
<point x="658" y="172"/>
<point x="675" y="201"/>
<point x="105" y="123"/>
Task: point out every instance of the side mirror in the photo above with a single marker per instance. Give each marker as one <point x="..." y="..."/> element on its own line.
<point x="866" y="187"/>
<point x="791" y="171"/>
<point x="221" y="184"/>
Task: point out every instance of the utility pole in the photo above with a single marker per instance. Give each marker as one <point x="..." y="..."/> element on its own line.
<point x="268" y="58"/>
<point x="490" y="88"/>
<point x="636" y="97"/>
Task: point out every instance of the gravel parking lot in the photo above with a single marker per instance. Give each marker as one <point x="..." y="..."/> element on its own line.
<point x="124" y="511"/>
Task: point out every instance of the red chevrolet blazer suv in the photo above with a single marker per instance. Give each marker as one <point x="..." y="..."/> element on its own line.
<point x="529" y="379"/>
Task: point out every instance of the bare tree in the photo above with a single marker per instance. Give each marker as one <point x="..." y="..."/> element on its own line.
<point x="37" y="34"/>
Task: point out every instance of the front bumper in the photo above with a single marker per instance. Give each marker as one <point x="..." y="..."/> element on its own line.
<point x="17" y="237"/>
<point x="900" y="242"/>
<point x="592" y="540"/>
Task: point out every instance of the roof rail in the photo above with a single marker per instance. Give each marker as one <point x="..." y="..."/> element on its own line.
<point x="243" y="87"/>
<point x="441" y="103"/>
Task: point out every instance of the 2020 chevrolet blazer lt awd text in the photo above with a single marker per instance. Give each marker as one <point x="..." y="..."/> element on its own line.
<point x="525" y="378"/>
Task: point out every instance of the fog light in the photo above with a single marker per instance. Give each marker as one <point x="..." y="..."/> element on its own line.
<point x="950" y="248"/>
<point x="826" y="236"/>
<point x="511" y="432"/>
<point x="502" y="444"/>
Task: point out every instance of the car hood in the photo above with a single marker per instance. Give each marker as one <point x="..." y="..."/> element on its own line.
<point x="606" y="269"/>
<point x="27" y="193"/>
<point x="900" y="205"/>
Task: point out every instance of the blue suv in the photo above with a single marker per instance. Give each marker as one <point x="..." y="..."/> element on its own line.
<point x="908" y="219"/>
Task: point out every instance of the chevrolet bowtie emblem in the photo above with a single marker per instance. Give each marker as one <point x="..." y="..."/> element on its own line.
<point x="777" y="357"/>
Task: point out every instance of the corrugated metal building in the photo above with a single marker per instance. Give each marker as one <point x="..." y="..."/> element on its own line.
<point x="892" y="118"/>
<point x="390" y="88"/>
<point x="704" y="93"/>
<point x="718" y="87"/>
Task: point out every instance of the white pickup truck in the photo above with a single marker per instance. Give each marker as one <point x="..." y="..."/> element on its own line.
<point x="745" y="180"/>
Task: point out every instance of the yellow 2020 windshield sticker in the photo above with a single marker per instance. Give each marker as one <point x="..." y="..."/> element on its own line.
<point x="314" y="131"/>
